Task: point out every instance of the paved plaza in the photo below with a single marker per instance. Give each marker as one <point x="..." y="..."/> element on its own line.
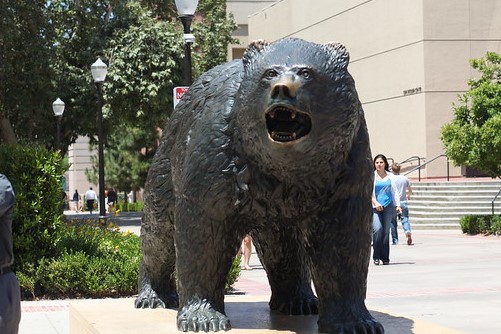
<point x="446" y="282"/>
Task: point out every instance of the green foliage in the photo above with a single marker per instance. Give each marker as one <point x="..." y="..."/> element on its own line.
<point x="128" y="207"/>
<point x="127" y="164"/>
<point x="92" y="262"/>
<point x="212" y="30"/>
<point x="484" y="224"/>
<point x="26" y="71"/>
<point x="496" y="225"/>
<point x="234" y="273"/>
<point x="145" y="65"/>
<point x="145" y="58"/>
<point x="35" y="174"/>
<point x="473" y="137"/>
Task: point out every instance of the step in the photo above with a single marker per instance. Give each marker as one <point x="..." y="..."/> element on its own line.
<point x="454" y="207"/>
<point x="435" y="226"/>
<point x="442" y="204"/>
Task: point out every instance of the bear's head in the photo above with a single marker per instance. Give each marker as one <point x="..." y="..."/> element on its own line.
<point x="297" y="106"/>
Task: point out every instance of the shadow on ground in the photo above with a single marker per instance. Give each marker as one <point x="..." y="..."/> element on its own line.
<point x="256" y="315"/>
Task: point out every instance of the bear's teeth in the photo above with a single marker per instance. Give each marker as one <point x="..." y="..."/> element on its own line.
<point x="283" y="137"/>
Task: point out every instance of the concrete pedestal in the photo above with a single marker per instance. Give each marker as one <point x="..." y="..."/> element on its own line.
<point x="248" y="314"/>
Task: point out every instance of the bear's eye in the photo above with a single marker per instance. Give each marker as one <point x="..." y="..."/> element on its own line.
<point x="270" y="74"/>
<point x="305" y="73"/>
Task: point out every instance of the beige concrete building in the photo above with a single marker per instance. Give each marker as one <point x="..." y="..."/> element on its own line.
<point x="410" y="60"/>
<point x="241" y="10"/>
<point x="79" y="156"/>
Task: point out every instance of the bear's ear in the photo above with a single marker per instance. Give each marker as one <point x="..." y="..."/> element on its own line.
<point x="340" y="55"/>
<point x="253" y="49"/>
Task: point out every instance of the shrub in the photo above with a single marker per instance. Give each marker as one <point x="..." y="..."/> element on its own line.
<point x="234" y="273"/>
<point x="127" y="207"/>
<point x="93" y="262"/>
<point x="36" y="175"/>
<point x="476" y="224"/>
<point x="496" y="224"/>
<point x="468" y="225"/>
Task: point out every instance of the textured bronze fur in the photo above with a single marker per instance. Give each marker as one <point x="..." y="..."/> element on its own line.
<point x="274" y="145"/>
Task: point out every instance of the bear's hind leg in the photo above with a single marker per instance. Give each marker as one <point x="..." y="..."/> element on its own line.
<point x="287" y="267"/>
<point x="157" y="283"/>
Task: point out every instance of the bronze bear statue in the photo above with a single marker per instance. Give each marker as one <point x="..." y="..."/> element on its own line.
<point x="274" y="145"/>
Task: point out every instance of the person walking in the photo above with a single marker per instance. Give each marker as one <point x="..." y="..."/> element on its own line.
<point x="246" y="249"/>
<point x="76" y="200"/>
<point x="385" y="201"/>
<point x="112" y="200"/>
<point x="404" y="188"/>
<point x="90" y="198"/>
<point x="10" y="292"/>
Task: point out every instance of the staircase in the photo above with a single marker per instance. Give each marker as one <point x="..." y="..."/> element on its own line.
<point x="441" y="204"/>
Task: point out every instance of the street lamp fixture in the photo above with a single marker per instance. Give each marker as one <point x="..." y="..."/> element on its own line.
<point x="99" y="71"/>
<point x="58" y="108"/>
<point x="186" y="10"/>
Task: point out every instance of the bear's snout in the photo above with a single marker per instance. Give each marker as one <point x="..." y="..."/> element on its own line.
<point x="285" y="89"/>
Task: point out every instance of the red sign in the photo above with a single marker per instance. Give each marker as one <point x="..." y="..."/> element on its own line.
<point x="178" y="94"/>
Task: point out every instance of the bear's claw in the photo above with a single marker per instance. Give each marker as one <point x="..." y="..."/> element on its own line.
<point x="201" y="316"/>
<point x="149" y="298"/>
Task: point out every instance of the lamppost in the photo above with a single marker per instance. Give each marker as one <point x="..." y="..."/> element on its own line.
<point x="186" y="10"/>
<point x="99" y="71"/>
<point x="58" y="108"/>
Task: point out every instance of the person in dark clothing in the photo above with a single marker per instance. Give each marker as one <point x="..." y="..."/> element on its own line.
<point x="10" y="293"/>
<point x="112" y="200"/>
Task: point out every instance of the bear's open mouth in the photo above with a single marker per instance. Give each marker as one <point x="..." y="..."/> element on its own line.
<point x="286" y="124"/>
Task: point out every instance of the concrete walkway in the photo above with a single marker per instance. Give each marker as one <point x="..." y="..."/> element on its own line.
<point x="445" y="283"/>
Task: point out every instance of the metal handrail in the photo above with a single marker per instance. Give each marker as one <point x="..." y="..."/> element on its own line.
<point x="494" y="199"/>
<point x="418" y="168"/>
<point x="409" y="159"/>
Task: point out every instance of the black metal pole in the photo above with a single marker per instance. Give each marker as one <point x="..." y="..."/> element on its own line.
<point x="188" y="76"/>
<point x="58" y="142"/>
<point x="100" y="133"/>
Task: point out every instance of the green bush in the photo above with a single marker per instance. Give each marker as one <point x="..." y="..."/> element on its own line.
<point x="65" y="259"/>
<point x="93" y="262"/>
<point x="496" y="225"/>
<point x="129" y="207"/>
<point x="476" y="224"/>
<point x="468" y="225"/>
<point x="234" y="273"/>
<point x="36" y="175"/>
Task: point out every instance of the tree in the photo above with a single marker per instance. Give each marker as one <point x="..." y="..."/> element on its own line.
<point x="25" y="72"/>
<point x="144" y="55"/>
<point x="47" y="47"/>
<point x="126" y="161"/>
<point x="473" y="137"/>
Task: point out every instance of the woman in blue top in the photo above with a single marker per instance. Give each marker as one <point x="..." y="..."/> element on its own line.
<point x="385" y="203"/>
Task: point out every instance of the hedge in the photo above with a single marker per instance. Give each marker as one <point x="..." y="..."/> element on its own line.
<point x="481" y="224"/>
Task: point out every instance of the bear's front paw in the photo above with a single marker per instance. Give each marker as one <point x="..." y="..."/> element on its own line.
<point x="305" y="304"/>
<point x="147" y="297"/>
<point x="200" y="316"/>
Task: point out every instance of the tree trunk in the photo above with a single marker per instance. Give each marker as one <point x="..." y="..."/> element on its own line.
<point x="7" y="135"/>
